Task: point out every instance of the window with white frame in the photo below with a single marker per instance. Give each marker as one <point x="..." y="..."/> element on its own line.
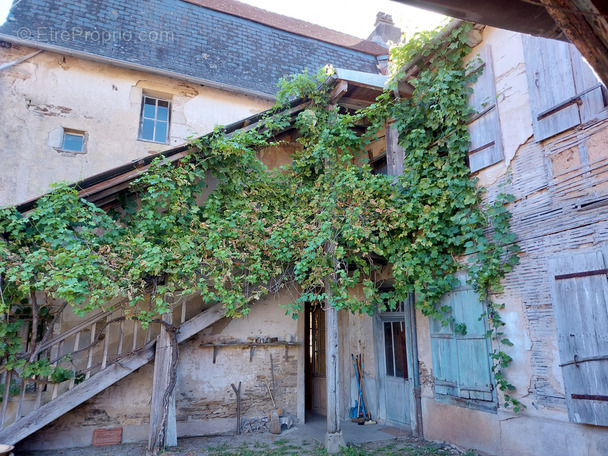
<point x="154" y="120"/>
<point x="461" y="361"/>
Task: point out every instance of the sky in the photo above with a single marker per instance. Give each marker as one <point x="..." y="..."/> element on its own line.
<point x="355" y="17"/>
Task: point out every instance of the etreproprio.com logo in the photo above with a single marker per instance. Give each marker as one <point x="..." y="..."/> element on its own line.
<point x="52" y="35"/>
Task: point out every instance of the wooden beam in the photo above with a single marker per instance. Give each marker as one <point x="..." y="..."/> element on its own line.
<point x="585" y="29"/>
<point x="338" y="92"/>
<point x="163" y="428"/>
<point x="334" y="439"/>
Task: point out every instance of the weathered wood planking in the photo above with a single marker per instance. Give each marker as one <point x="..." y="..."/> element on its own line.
<point x="581" y="312"/>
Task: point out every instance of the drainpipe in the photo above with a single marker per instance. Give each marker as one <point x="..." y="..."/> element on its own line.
<point x="416" y="369"/>
<point x="19" y="60"/>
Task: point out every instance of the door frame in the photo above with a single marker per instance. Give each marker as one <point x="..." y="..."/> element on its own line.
<point x="410" y="343"/>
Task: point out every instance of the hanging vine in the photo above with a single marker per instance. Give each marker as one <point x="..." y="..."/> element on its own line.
<point x="324" y="215"/>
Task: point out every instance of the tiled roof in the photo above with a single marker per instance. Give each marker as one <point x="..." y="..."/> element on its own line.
<point x="223" y="42"/>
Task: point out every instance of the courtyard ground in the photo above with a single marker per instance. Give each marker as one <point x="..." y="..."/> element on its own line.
<point x="302" y="439"/>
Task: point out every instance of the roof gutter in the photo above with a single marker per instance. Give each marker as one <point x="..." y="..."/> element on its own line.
<point x="135" y="66"/>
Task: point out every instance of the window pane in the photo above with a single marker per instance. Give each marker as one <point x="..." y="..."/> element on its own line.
<point x="72" y="142"/>
<point x="388" y="347"/>
<point x="149" y="108"/>
<point x="161" y="132"/>
<point x="162" y="112"/>
<point x="147" y="130"/>
<point x="399" y="347"/>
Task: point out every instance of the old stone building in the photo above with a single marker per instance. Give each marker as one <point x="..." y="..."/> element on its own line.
<point x="541" y="135"/>
<point x="88" y="86"/>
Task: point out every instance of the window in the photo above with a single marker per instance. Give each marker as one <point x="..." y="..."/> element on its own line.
<point x="73" y="142"/>
<point x="580" y="304"/>
<point x="564" y="91"/>
<point x="154" y="123"/>
<point x="68" y="140"/>
<point x="317" y="335"/>
<point x="484" y="126"/>
<point x="461" y="362"/>
<point x="379" y="165"/>
<point x="395" y="353"/>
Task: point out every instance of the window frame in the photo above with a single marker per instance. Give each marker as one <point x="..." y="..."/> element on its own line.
<point x="156" y="121"/>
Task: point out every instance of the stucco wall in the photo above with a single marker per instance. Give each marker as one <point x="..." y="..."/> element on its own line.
<point x="50" y="91"/>
<point x="205" y="401"/>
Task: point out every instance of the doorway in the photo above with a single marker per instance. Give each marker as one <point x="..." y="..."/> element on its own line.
<point x="393" y="337"/>
<point x="316" y="392"/>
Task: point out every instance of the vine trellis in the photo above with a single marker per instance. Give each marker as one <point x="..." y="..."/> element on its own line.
<point x="324" y="215"/>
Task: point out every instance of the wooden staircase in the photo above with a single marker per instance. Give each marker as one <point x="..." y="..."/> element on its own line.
<point x="27" y="405"/>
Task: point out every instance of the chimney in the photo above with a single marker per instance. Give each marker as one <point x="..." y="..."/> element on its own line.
<point x="385" y="30"/>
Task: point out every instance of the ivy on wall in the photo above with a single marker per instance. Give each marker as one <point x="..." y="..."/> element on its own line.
<point x="322" y="219"/>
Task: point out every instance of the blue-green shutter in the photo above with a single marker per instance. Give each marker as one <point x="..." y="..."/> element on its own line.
<point x="461" y="363"/>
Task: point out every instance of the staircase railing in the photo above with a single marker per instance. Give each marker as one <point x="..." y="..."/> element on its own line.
<point x="84" y="349"/>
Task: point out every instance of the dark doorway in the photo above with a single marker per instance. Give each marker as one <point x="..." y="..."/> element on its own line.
<point x="316" y="400"/>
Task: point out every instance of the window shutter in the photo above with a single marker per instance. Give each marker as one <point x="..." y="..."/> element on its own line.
<point x="445" y="359"/>
<point x="484" y="126"/>
<point x="473" y="347"/>
<point x="558" y="82"/>
<point x="580" y="301"/>
<point x="588" y="85"/>
<point x="461" y="363"/>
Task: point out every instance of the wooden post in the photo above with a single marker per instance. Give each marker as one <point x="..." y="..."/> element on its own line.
<point x="334" y="438"/>
<point x="163" y="427"/>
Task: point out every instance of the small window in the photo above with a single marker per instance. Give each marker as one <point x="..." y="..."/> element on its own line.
<point x="73" y="142"/>
<point x="154" y="124"/>
<point x="379" y="165"/>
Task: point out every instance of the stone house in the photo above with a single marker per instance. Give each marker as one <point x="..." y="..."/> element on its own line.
<point x="97" y="84"/>
<point x="541" y="134"/>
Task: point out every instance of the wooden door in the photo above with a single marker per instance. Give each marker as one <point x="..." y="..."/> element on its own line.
<point x="393" y="350"/>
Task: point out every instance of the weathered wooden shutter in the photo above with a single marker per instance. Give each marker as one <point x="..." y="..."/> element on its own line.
<point x="395" y="155"/>
<point x="484" y="126"/>
<point x="563" y="89"/>
<point x="445" y="358"/>
<point x="473" y="347"/>
<point x="580" y="302"/>
<point x="461" y="363"/>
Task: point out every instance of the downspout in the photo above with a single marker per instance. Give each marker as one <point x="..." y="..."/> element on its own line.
<point x="19" y="60"/>
<point x="416" y="369"/>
